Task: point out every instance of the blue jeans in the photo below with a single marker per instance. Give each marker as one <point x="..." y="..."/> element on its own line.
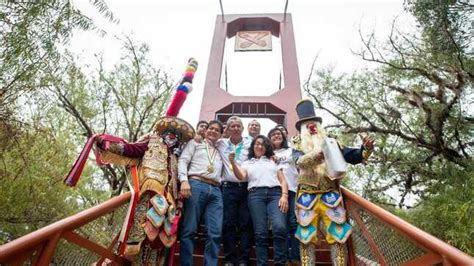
<point x="205" y="201"/>
<point x="263" y="205"/>
<point x="291" y="224"/>
<point x="236" y="221"/>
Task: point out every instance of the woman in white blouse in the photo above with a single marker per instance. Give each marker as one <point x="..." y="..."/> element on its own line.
<point x="267" y="198"/>
<point x="285" y="158"/>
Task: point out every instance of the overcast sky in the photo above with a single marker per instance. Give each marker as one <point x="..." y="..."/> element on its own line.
<point x="176" y="30"/>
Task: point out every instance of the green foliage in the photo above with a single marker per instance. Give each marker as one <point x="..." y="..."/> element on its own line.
<point x="418" y="104"/>
<point x="61" y="105"/>
<point x="32" y="167"/>
<point x="448" y="210"/>
<point x="32" y="34"/>
<point x="102" y="7"/>
<point x="124" y="101"/>
<point x="442" y="22"/>
<point x="132" y="95"/>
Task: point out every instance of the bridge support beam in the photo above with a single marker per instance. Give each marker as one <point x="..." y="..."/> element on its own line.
<point x="215" y="99"/>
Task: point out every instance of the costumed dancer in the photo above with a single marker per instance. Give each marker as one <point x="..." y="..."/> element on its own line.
<point x="318" y="196"/>
<point x="150" y="229"/>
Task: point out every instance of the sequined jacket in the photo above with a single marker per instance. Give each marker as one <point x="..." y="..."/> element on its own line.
<point x="313" y="172"/>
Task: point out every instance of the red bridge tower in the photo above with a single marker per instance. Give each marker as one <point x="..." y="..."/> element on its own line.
<point x="280" y="106"/>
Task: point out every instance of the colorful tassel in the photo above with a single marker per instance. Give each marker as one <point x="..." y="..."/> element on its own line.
<point x="76" y="171"/>
<point x="186" y="79"/>
<point x="177" y="103"/>
<point x="182" y="90"/>
<point x="127" y="225"/>
<point x="189" y="74"/>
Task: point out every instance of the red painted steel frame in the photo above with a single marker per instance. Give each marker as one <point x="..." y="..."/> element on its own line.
<point x="47" y="237"/>
<point x="448" y="254"/>
<point x="43" y="242"/>
<point x="215" y="98"/>
<point x="365" y="233"/>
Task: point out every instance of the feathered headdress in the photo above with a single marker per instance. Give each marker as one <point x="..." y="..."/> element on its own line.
<point x="171" y="121"/>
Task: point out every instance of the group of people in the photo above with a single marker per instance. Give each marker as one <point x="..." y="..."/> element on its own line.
<point x="238" y="186"/>
<point x="242" y="186"/>
<point x="234" y="185"/>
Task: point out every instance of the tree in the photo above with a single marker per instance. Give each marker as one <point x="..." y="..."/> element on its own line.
<point x="417" y="102"/>
<point x="447" y="25"/>
<point x="448" y="210"/>
<point x="125" y="101"/>
<point x="36" y="149"/>
<point x="31" y="38"/>
<point x="32" y="166"/>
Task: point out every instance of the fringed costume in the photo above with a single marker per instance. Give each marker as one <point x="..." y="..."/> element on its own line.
<point x="318" y="198"/>
<point x="150" y="229"/>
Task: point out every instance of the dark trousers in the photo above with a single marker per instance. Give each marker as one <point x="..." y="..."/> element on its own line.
<point x="291" y="224"/>
<point x="237" y="228"/>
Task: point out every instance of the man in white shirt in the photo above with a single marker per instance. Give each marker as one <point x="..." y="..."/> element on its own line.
<point x="234" y="193"/>
<point x="199" y="171"/>
<point x="201" y="128"/>
<point x="254" y="129"/>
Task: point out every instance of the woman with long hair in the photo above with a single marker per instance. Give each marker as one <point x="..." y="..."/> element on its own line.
<point x="285" y="158"/>
<point x="267" y="198"/>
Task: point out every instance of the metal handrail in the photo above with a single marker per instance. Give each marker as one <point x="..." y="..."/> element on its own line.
<point x="48" y="236"/>
<point x="30" y="242"/>
<point x="420" y="237"/>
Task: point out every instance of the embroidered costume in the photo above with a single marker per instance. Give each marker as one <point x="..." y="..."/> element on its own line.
<point x="318" y="197"/>
<point x="150" y="229"/>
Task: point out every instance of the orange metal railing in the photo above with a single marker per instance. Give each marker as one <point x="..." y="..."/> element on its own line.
<point x="379" y="238"/>
<point x="39" y="247"/>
